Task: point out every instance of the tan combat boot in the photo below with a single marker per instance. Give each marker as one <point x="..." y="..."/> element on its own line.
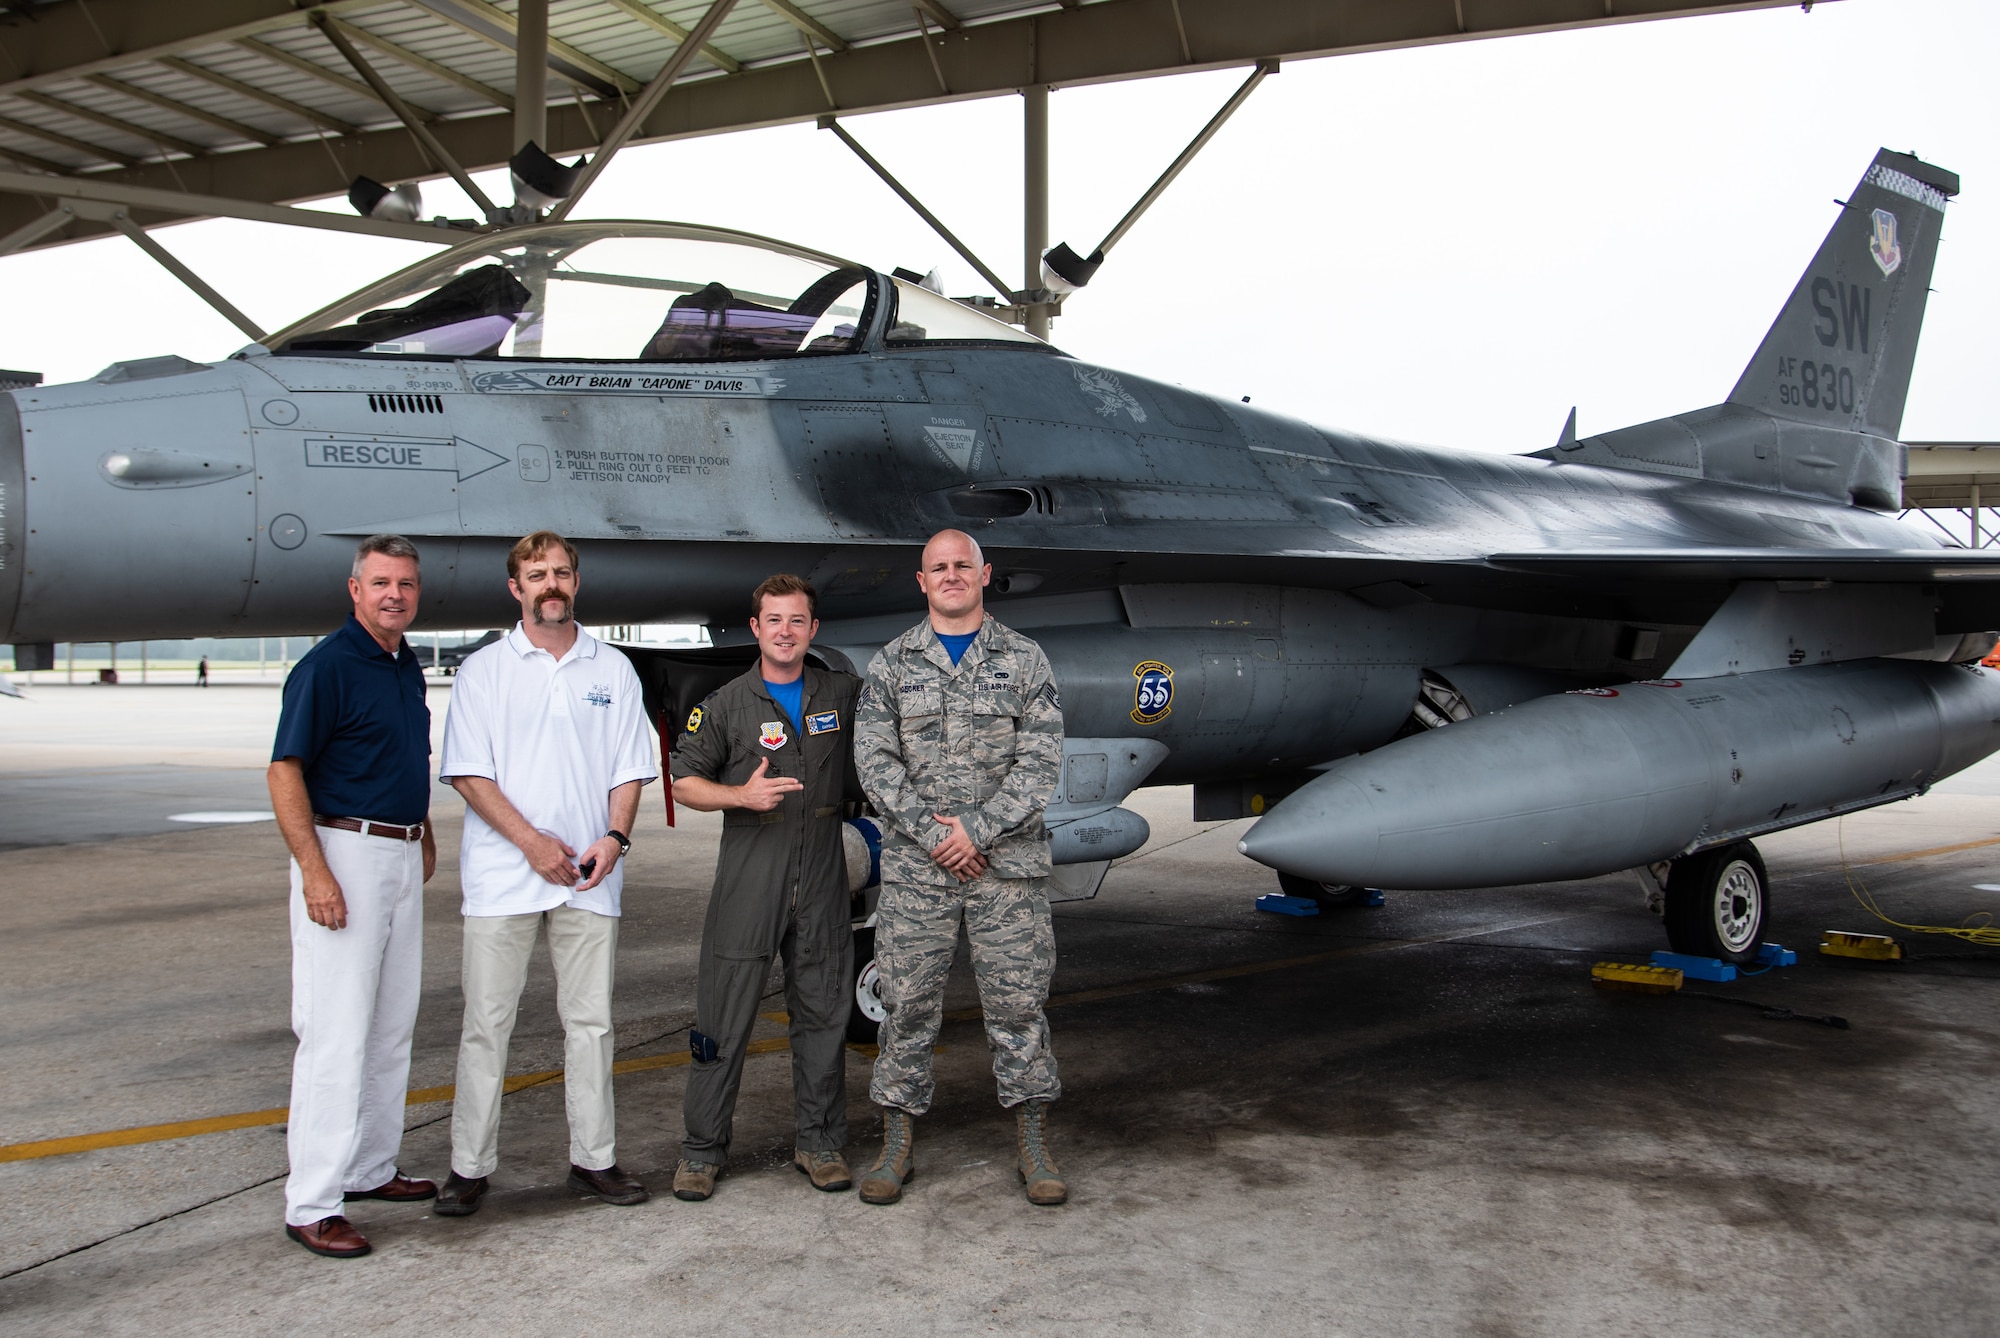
<point x="1038" y="1169"/>
<point x="827" y="1169"/>
<point x="897" y="1166"/>
<point x="695" y="1180"/>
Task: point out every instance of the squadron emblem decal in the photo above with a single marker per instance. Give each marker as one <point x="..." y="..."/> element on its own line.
<point x="1112" y="398"/>
<point x="772" y="734"/>
<point x="1882" y="244"/>
<point x="1153" y="694"/>
<point x="694" y="720"/>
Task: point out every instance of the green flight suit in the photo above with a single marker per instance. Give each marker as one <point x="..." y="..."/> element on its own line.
<point x="780" y="890"/>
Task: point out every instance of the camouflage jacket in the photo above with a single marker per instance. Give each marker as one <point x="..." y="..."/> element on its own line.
<point x="980" y="741"/>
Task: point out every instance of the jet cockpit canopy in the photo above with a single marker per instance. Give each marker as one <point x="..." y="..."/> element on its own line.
<point x="634" y="291"/>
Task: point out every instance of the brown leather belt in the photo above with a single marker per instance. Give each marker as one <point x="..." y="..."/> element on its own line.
<point x="368" y="827"/>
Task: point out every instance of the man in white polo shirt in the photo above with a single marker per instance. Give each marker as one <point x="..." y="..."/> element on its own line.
<point x="546" y="739"/>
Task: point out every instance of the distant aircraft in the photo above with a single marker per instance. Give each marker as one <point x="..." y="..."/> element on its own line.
<point x="1645" y="648"/>
<point x="447" y="659"/>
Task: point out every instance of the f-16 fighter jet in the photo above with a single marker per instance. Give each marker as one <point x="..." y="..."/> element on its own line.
<point x="1416" y="668"/>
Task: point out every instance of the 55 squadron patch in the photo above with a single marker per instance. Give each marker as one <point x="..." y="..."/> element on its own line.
<point x="771" y="734"/>
<point x="694" y="720"/>
<point x="1153" y="694"/>
<point x="826" y="722"/>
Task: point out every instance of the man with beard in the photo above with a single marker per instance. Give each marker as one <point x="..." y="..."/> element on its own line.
<point x="546" y="740"/>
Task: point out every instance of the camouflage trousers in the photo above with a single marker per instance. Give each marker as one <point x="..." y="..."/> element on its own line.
<point x="1013" y="955"/>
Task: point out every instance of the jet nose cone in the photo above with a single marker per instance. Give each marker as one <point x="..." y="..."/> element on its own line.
<point x="1327" y="831"/>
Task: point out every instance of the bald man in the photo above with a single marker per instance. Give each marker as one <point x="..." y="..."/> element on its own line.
<point x="958" y="740"/>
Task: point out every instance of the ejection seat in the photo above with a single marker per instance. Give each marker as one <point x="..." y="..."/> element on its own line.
<point x="715" y="322"/>
<point x="468" y="317"/>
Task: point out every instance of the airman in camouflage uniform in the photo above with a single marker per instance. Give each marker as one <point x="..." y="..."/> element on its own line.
<point x="960" y="755"/>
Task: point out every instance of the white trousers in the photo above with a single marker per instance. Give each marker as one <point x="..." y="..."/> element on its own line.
<point x="583" y="946"/>
<point x="354" y="1007"/>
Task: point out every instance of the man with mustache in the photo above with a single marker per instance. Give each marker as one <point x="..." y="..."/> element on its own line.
<point x="547" y="742"/>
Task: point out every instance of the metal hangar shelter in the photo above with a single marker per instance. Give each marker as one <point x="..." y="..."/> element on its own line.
<point x="123" y="114"/>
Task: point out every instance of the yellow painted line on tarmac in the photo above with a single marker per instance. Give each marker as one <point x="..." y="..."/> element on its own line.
<point x="422" y="1096"/>
<point x="1926" y="854"/>
<point x="159" y="1133"/>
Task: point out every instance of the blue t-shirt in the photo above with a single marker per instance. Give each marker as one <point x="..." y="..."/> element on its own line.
<point x="791" y="696"/>
<point x="955" y="643"/>
<point x="354" y="715"/>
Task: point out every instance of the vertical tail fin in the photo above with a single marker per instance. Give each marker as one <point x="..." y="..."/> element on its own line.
<point x="1839" y="354"/>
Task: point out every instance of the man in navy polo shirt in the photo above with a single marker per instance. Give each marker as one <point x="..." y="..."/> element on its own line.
<point x="350" y="783"/>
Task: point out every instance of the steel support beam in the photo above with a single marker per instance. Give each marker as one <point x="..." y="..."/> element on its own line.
<point x="402" y="55"/>
<point x="176" y="206"/>
<point x="658" y="22"/>
<point x="1095" y="43"/>
<point x="318" y="71"/>
<point x="806" y="24"/>
<point x="83" y="146"/>
<point x="1034" y="200"/>
<point x="438" y="152"/>
<point x="1196" y="145"/>
<point x="531" y="73"/>
<point x="171" y="263"/>
<point x="114" y="123"/>
<point x="36" y="229"/>
<point x="64" y="41"/>
<point x="937" y="225"/>
<point x="139" y="93"/>
<point x="498" y="28"/>
<point x="312" y="115"/>
<point x="644" y="105"/>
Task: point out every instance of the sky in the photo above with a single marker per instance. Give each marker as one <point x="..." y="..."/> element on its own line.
<point x="1449" y="245"/>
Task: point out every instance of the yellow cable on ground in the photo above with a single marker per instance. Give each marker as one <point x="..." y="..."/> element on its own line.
<point x="1977" y="927"/>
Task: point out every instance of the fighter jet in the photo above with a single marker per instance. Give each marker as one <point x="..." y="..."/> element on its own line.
<point x="1417" y="668"/>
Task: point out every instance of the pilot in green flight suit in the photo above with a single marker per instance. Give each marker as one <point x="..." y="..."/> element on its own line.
<point x="774" y="751"/>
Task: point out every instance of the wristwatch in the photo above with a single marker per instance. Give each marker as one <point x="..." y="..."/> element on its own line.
<point x="624" y="841"/>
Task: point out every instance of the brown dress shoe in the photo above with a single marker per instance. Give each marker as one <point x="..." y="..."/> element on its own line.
<point x="460" y="1196"/>
<point x="399" y="1189"/>
<point x="610" y="1184"/>
<point x="334" y="1237"/>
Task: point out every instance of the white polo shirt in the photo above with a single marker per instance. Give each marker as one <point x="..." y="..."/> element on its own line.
<point x="557" y="736"/>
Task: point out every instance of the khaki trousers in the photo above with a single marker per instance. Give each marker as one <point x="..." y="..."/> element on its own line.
<point x="582" y="947"/>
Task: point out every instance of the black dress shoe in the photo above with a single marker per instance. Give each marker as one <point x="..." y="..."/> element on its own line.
<point x="610" y="1184"/>
<point x="460" y="1196"/>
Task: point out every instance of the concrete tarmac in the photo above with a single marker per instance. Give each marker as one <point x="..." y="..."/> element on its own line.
<point x="1414" y="1119"/>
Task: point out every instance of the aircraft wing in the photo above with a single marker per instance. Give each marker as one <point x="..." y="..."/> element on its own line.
<point x="1760" y="564"/>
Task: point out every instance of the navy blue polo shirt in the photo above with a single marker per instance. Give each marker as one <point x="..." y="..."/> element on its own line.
<point x="355" y="716"/>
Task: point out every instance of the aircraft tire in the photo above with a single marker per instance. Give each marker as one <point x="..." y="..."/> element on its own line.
<point x="1718" y="902"/>
<point x="1330" y="896"/>
<point x="864" y="1016"/>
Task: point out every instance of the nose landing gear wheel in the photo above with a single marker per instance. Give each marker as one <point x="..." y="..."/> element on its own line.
<point x="1328" y="895"/>
<point x="1718" y="902"/>
<point x="864" y="1019"/>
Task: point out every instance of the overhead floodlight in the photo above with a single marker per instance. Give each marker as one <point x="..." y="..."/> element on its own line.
<point x="1064" y="271"/>
<point x="372" y="199"/>
<point x="540" y="182"/>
